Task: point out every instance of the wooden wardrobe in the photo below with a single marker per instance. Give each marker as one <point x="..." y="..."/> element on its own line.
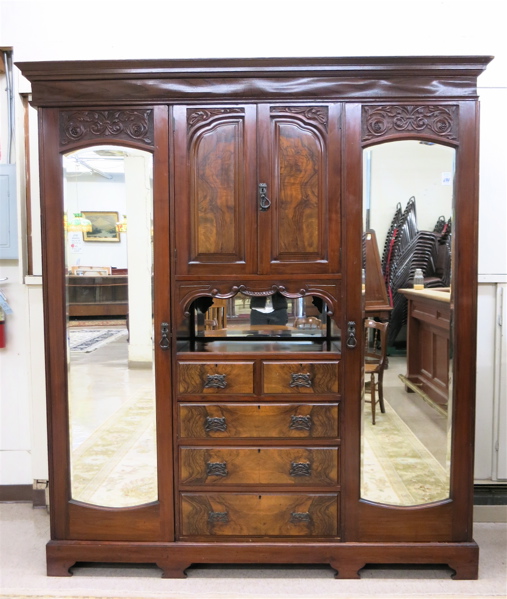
<point x="258" y="187"/>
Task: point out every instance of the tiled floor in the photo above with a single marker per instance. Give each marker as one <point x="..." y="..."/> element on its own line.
<point x="25" y="531"/>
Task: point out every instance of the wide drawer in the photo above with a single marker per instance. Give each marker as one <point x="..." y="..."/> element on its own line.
<point x="273" y="421"/>
<point x="195" y="378"/>
<point x="300" y="377"/>
<point x="251" y="515"/>
<point x="295" y="466"/>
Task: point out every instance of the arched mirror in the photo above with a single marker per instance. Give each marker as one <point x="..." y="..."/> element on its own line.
<point x="107" y="229"/>
<point x="407" y="251"/>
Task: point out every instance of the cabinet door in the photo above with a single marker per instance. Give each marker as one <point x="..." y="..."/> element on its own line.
<point x="215" y="189"/>
<point x="299" y="157"/>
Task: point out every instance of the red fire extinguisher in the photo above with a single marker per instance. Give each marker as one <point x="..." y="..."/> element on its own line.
<point x="2" y="329"/>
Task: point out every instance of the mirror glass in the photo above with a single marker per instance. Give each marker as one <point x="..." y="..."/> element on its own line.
<point x="407" y="214"/>
<point x="250" y="323"/>
<point x="107" y="229"/>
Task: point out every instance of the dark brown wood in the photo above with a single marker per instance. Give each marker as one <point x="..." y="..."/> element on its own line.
<point x="219" y="377"/>
<point x="376" y="302"/>
<point x="216" y="189"/>
<point x="346" y="558"/>
<point x="217" y="129"/>
<point x="294" y="466"/>
<point x="294" y="152"/>
<point x="232" y="514"/>
<point x="274" y="421"/>
<point x="97" y="296"/>
<point x="428" y="342"/>
<point x="300" y="377"/>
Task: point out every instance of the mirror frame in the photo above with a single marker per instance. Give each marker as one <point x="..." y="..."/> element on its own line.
<point x="450" y="123"/>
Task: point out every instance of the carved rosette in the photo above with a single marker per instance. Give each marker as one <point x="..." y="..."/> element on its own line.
<point x="382" y="121"/>
<point x="197" y="116"/>
<point x="85" y="125"/>
<point x="320" y="114"/>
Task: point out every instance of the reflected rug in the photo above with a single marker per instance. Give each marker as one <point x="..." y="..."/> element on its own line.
<point x="116" y="466"/>
<point x="397" y="468"/>
<point x="88" y="340"/>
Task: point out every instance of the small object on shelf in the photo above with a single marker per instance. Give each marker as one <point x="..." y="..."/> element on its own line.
<point x="418" y="279"/>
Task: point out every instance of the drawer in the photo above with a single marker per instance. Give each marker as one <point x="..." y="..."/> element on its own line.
<point x="217" y="377"/>
<point x="273" y="421"/>
<point x="300" y="377"/>
<point x="252" y="515"/>
<point x="295" y="466"/>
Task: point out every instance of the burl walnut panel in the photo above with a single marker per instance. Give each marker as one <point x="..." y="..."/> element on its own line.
<point x="276" y="421"/>
<point x="294" y="466"/>
<point x="218" y="377"/>
<point x="241" y="514"/>
<point x="217" y="206"/>
<point x="299" y="187"/>
<point x="300" y="377"/>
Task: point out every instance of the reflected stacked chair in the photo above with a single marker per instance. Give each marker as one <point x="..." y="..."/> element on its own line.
<point x="406" y="249"/>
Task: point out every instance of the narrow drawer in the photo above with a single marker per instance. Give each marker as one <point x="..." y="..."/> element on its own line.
<point x="272" y="421"/>
<point x="295" y="466"/>
<point x="252" y="515"/>
<point x="195" y="378"/>
<point x="300" y="377"/>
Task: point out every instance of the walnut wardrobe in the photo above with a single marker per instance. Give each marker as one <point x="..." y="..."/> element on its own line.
<point x="224" y="420"/>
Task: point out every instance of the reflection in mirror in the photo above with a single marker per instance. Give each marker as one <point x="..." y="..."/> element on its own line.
<point x="407" y="408"/>
<point x="299" y="324"/>
<point x="108" y="241"/>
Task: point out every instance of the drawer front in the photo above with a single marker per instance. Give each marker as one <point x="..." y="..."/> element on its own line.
<point x="196" y="378"/>
<point x="250" y="515"/>
<point x="273" y="421"/>
<point x="293" y="466"/>
<point x="300" y="377"/>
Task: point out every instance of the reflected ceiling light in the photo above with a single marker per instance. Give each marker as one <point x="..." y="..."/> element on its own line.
<point x="79" y="223"/>
<point x="121" y="226"/>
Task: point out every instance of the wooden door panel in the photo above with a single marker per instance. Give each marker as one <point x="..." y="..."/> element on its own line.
<point x="215" y="189"/>
<point x="240" y="421"/>
<point x="295" y="466"/>
<point x="231" y="514"/>
<point x="300" y="229"/>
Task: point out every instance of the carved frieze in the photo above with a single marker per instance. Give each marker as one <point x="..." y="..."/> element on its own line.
<point x="382" y="121"/>
<point x="85" y="125"/>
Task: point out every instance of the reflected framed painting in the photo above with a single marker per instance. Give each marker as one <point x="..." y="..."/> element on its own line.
<point x="103" y="226"/>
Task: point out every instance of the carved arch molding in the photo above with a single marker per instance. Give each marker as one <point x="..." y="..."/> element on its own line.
<point x="328" y="292"/>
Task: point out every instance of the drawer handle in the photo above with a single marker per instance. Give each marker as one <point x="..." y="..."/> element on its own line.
<point x="215" y="424"/>
<point x="298" y="517"/>
<point x="216" y="469"/>
<point x="300" y="379"/>
<point x="218" y="517"/>
<point x="300" y="469"/>
<point x="300" y="423"/>
<point x="215" y="381"/>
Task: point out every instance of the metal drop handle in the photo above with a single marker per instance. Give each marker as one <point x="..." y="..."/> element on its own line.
<point x="164" y="332"/>
<point x="351" y="335"/>
<point x="264" y="201"/>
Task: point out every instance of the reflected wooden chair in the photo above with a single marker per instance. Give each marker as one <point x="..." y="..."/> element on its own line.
<point x="375" y="334"/>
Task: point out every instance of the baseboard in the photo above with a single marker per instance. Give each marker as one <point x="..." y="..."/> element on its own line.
<point x="34" y="494"/>
<point x="490" y="513"/>
<point x="19" y="493"/>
